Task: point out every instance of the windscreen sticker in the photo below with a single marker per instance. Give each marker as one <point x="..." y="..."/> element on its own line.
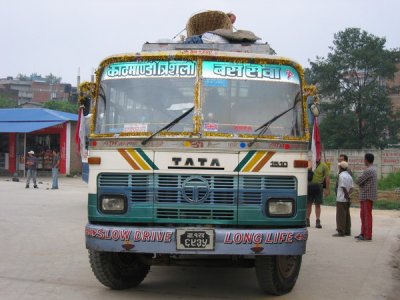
<point x="215" y="82"/>
<point x="209" y="126"/>
<point x="135" y="127"/>
<point x="242" y="128"/>
<point x="143" y="69"/>
<point x="264" y="72"/>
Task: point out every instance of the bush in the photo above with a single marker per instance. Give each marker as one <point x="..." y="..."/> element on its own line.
<point x="61" y="105"/>
<point x="386" y="200"/>
<point x="389" y="182"/>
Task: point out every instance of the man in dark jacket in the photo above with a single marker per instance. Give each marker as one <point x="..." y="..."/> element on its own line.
<point x="31" y="165"/>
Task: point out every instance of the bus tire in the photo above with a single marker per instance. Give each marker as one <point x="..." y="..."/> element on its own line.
<point x="118" y="270"/>
<point x="277" y="274"/>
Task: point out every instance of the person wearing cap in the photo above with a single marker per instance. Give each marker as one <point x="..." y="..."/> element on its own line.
<point x="31" y="165"/>
<point x="345" y="186"/>
<point x="342" y="157"/>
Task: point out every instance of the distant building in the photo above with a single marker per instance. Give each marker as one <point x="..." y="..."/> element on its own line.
<point x="395" y="96"/>
<point x="394" y="84"/>
<point x="19" y="90"/>
<point x="43" y="91"/>
<point x="34" y="91"/>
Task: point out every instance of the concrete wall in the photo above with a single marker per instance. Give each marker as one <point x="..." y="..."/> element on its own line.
<point x="386" y="161"/>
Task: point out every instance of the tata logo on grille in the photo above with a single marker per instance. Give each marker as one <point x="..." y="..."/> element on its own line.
<point x="195" y="189"/>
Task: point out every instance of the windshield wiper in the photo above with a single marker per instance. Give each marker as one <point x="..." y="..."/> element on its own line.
<point x="264" y="127"/>
<point x="168" y="126"/>
<point x="102" y="95"/>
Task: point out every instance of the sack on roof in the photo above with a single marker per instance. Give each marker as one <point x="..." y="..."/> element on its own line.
<point x="237" y="36"/>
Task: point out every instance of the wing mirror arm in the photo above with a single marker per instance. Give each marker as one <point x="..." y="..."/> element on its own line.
<point x="86" y="95"/>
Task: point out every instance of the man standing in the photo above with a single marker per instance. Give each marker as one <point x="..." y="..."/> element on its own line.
<point x="320" y="176"/>
<point x="31" y="164"/>
<point x="368" y="194"/>
<point x="54" y="169"/>
<point x="345" y="186"/>
<point x="343" y="157"/>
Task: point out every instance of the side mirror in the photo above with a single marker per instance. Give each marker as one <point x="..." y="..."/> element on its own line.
<point x="86" y="94"/>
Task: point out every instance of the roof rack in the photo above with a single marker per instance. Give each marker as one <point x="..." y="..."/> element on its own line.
<point x="247" y="48"/>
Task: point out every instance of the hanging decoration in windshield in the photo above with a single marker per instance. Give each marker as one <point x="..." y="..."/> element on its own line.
<point x="142" y="69"/>
<point x="212" y="69"/>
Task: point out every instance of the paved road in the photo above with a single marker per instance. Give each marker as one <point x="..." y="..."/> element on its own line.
<point x="43" y="256"/>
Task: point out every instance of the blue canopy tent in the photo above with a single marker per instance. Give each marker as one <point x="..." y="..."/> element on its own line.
<point x="23" y="120"/>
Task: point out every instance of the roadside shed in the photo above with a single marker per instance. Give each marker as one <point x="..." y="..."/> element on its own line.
<point x="40" y="130"/>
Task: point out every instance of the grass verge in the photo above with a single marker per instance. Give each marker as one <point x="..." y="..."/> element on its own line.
<point x="389" y="200"/>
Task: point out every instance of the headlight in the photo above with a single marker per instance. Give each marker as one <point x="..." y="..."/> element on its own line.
<point x="113" y="204"/>
<point x="280" y="207"/>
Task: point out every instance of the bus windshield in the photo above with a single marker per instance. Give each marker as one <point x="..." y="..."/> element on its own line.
<point x="234" y="98"/>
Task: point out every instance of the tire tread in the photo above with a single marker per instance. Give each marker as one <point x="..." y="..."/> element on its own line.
<point x="268" y="277"/>
<point x="107" y="273"/>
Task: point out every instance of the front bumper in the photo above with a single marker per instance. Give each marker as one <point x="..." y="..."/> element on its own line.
<point x="225" y="241"/>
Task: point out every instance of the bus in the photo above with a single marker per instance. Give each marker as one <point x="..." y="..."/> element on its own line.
<point x="198" y="156"/>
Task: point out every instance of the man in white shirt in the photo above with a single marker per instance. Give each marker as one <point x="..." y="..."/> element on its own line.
<point x="345" y="186"/>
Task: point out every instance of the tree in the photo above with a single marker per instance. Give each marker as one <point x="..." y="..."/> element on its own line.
<point x="52" y="79"/>
<point x="61" y="106"/>
<point x="352" y="81"/>
<point x="6" y="102"/>
<point x="23" y="77"/>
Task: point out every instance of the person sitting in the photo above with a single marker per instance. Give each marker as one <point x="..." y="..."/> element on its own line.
<point x="232" y="17"/>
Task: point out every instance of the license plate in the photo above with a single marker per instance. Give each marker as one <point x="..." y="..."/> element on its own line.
<point x="194" y="239"/>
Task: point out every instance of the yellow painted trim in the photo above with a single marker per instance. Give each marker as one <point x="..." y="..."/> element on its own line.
<point x="263" y="161"/>
<point x="138" y="159"/>
<point x="129" y="159"/>
<point x="253" y="161"/>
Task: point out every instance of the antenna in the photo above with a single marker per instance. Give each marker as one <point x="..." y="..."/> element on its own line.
<point x="78" y="79"/>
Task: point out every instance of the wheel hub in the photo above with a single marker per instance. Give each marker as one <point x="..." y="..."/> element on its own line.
<point x="286" y="265"/>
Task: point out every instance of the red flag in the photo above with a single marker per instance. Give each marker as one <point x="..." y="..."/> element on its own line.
<point x="315" y="144"/>
<point x="77" y="130"/>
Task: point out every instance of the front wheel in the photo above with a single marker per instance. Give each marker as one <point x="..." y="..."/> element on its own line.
<point x="118" y="270"/>
<point x="277" y="274"/>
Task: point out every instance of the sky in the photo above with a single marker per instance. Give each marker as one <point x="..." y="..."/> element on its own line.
<point x="66" y="37"/>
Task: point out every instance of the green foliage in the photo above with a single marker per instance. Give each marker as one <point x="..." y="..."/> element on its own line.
<point x="61" y="106"/>
<point x="357" y="112"/>
<point x="23" y="77"/>
<point x="50" y="78"/>
<point x="6" y="102"/>
<point x="379" y="204"/>
<point x="387" y="204"/>
<point x="390" y="182"/>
